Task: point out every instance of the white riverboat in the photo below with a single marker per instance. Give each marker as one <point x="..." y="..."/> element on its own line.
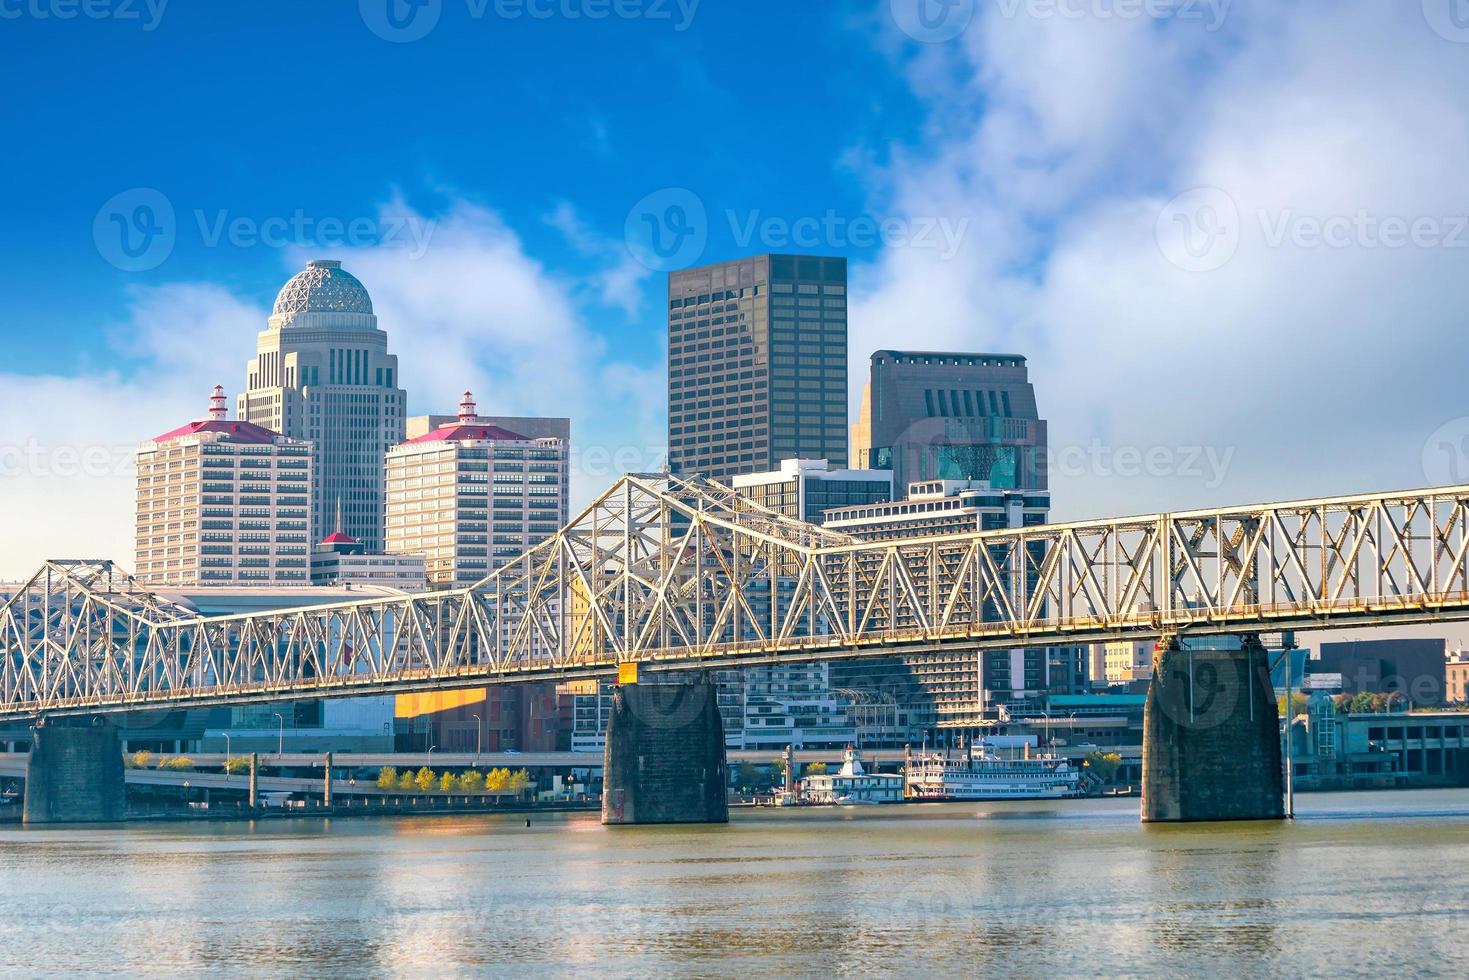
<point x="852" y="785"/>
<point x="978" y="773"/>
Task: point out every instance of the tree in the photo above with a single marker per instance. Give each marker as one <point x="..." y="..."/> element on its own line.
<point x="141" y="759"/>
<point x="519" y="781"/>
<point x="1103" y="765"/>
<point x="387" y="777"/>
<point x="471" y="782"/>
<point x="425" y="779"/>
<point x="179" y="763"/>
<point x="237" y="763"/>
<point x="406" y="782"/>
<point x="748" y="777"/>
<point x="816" y="769"/>
<point x="496" y="780"/>
<point x="447" y="782"/>
<point x="1298" y="703"/>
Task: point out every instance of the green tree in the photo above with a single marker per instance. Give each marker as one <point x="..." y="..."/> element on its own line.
<point x="387" y="777"/>
<point x="447" y="782"/>
<point x="748" y="777"/>
<point x="471" y="781"/>
<point x="1103" y="765"/>
<point x="425" y="780"/>
<point x="816" y="769"/>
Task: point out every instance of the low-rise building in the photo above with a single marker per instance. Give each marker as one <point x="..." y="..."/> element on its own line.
<point x="341" y="559"/>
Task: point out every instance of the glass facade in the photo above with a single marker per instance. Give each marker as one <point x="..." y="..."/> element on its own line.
<point x="757" y="364"/>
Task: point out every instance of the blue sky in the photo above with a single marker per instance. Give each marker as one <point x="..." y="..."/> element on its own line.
<point x="1230" y="237"/>
<point x="270" y="109"/>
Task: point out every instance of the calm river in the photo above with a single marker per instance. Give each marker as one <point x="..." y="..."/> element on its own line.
<point x="1360" y="883"/>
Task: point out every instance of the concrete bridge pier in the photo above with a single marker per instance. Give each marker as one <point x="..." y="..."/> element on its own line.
<point x="75" y="773"/>
<point x="1211" y="736"/>
<point x="665" y="759"/>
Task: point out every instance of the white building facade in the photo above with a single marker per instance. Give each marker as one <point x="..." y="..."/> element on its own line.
<point x="222" y="502"/>
<point x="471" y="496"/>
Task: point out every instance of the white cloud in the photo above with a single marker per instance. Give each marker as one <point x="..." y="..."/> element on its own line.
<point x="470" y="310"/>
<point x="1322" y="369"/>
<point x="67" y="443"/>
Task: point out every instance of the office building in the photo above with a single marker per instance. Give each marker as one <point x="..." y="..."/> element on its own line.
<point x="322" y="372"/>
<point x="471" y="496"/>
<point x="757" y="365"/>
<point x="929" y="415"/>
<point x="223" y="502"/>
<point x="340" y="559"/>
<point x="1456" y="677"/>
<point x="1414" y="668"/>
<point x="1125" y="661"/>
<point x="807" y="488"/>
<point x="966" y="687"/>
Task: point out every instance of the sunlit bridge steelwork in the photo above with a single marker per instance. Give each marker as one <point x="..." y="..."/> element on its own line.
<point x="677" y="573"/>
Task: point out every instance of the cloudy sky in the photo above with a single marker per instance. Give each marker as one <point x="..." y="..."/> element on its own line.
<point x="1231" y="238"/>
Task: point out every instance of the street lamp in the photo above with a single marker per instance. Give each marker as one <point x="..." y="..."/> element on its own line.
<point x="479" y="732"/>
<point x="280" y="747"/>
<point x="431" y="755"/>
<point x="227" y="773"/>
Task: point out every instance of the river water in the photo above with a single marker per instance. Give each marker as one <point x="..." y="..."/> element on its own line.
<point x="1359" y="883"/>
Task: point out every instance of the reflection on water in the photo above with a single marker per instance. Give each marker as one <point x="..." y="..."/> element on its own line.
<point x="1362" y="882"/>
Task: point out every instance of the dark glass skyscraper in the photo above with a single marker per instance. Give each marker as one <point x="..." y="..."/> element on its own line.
<point x="757" y="364"/>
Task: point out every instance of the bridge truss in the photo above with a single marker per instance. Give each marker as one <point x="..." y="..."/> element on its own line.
<point x="683" y="573"/>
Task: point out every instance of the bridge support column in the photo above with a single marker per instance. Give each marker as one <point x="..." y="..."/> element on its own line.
<point x="75" y="773"/>
<point x="665" y="758"/>
<point x="1211" y="736"/>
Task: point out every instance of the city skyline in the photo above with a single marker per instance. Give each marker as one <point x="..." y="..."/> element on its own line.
<point x="1065" y="261"/>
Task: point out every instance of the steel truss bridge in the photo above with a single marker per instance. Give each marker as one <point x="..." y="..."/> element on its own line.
<point x="673" y="573"/>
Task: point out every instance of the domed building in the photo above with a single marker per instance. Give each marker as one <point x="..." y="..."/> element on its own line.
<point x="322" y="372"/>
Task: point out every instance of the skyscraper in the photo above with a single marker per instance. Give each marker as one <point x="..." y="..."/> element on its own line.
<point x="929" y="415"/>
<point x="322" y="372"/>
<point x="223" y="503"/>
<point x="757" y="364"/>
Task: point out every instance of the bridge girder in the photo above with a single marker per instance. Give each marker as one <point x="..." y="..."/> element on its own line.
<point x="684" y="573"/>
